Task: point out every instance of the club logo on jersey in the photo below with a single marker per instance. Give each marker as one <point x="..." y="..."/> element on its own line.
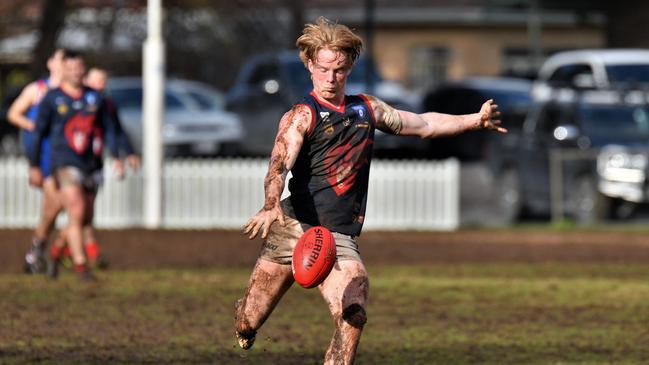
<point x="347" y="122"/>
<point x="329" y="129"/>
<point x="345" y="162"/>
<point x="78" y="131"/>
<point x="324" y="116"/>
<point x="359" y="110"/>
<point x="62" y="108"/>
<point x="77" y="104"/>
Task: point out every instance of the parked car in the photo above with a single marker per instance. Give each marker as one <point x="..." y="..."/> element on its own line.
<point x="603" y="138"/>
<point x="592" y="69"/>
<point x="195" y="121"/>
<point x="269" y="84"/>
<point x="467" y="96"/>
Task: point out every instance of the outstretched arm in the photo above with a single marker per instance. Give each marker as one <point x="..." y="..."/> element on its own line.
<point x="292" y="128"/>
<point x="431" y="125"/>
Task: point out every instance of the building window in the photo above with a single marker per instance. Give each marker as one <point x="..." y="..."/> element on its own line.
<point x="428" y="67"/>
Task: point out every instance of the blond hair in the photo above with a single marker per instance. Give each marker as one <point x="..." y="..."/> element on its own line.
<point x="327" y="34"/>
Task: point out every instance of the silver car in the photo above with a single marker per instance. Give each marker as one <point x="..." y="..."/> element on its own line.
<point x="195" y="122"/>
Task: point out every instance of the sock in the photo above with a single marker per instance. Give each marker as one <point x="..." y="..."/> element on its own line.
<point x="80" y="268"/>
<point x="37" y="243"/>
<point x="92" y="250"/>
<point x="56" y="252"/>
<point x="66" y="251"/>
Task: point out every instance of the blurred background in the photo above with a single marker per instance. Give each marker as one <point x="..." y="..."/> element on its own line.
<point x="570" y="77"/>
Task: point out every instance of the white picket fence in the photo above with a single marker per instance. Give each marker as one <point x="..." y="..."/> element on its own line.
<point x="224" y="193"/>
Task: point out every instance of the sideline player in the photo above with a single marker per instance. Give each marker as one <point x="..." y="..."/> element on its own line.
<point x="96" y="78"/>
<point x="326" y="142"/>
<point x="75" y="119"/>
<point x="22" y="114"/>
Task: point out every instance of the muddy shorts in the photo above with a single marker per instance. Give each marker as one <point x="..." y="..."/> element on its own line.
<point x="278" y="246"/>
<point x="73" y="176"/>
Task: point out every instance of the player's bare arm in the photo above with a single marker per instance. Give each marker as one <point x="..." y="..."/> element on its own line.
<point x="292" y="128"/>
<point x="16" y="113"/>
<point x="431" y="125"/>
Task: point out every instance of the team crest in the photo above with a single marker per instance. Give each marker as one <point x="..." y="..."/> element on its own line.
<point x="62" y="108"/>
<point x="359" y="110"/>
<point x="77" y="104"/>
<point x="329" y="129"/>
<point x="347" y="122"/>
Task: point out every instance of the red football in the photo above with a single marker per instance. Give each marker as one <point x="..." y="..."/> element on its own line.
<point x="314" y="256"/>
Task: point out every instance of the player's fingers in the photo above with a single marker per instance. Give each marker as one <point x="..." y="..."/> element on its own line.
<point x="501" y="130"/>
<point x="281" y="220"/>
<point x="496" y="114"/>
<point x="255" y="230"/>
<point x="247" y="226"/>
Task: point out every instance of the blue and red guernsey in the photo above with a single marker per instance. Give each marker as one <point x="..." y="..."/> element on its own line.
<point x="331" y="172"/>
<point x="76" y="127"/>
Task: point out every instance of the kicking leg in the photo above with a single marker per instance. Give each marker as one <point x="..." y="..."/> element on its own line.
<point x="268" y="283"/>
<point x="345" y="290"/>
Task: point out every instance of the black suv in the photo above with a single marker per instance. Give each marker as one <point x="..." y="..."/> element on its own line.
<point x="269" y="84"/>
<point x="580" y="154"/>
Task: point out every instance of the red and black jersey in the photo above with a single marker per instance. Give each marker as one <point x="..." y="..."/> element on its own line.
<point x="76" y="127"/>
<point x="331" y="172"/>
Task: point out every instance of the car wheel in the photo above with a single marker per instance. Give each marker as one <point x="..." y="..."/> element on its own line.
<point x="588" y="204"/>
<point x="508" y="196"/>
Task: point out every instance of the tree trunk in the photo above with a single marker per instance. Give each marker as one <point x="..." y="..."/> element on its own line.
<point x="52" y="21"/>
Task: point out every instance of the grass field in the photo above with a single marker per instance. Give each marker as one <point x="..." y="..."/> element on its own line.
<point x="482" y="313"/>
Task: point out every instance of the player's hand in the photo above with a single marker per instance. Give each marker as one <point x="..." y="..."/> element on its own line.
<point x="490" y="117"/>
<point x="133" y="161"/>
<point x="35" y="177"/>
<point x="262" y="222"/>
<point x="118" y="168"/>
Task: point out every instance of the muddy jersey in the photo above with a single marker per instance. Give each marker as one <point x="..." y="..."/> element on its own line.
<point x="331" y="172"/>
<point x="76" y="127"/>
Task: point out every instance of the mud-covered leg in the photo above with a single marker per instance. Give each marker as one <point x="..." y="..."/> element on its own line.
<point x="268" y="283"/>
<point x="346" y="291"/>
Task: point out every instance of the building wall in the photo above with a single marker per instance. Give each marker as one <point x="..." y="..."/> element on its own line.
<point x="471" y="51"/>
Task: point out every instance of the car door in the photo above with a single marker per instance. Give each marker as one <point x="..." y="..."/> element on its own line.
<point x="260" y="106"/>
<point x="536" y="144"/>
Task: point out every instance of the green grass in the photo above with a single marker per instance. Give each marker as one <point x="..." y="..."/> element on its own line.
<point x="437" y="314"/>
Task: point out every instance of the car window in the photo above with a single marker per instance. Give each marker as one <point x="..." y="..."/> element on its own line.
<point x="565" y="75"/>
<point x="172" y="101"/>
<point x="264" y="72"/>
<point x="628" y="73"/>
<point x="549" y="118"/>
<point x="127" y="97"/>
<point x="206" y="100"/>
<point x="615" y="121"/>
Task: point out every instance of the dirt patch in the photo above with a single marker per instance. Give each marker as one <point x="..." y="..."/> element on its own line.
<point x="140" y="248"/>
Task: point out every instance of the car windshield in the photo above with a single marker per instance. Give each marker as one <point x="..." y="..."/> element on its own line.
<point x="507" y="99"/>
<point x="131" y="98"/>
<point x="207" y="100"/>
<point x="301" y="82"/>
<point x="127" y="98"/>
<point x="615" y="121"/>
<point x="628" y="73"/>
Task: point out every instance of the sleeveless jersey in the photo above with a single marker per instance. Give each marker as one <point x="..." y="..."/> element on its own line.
<point x="76" y="127"/>
<point x="331" y="172"/>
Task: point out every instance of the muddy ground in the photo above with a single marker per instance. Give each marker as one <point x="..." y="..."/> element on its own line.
<point x="139" y="248"/>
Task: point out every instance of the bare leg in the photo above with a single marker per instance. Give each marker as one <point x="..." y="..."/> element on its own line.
<point x="74" y="202"/>
<point x="51" y="208"/>
<point x="268" y="283"/>
<point x="345" y="290"/>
